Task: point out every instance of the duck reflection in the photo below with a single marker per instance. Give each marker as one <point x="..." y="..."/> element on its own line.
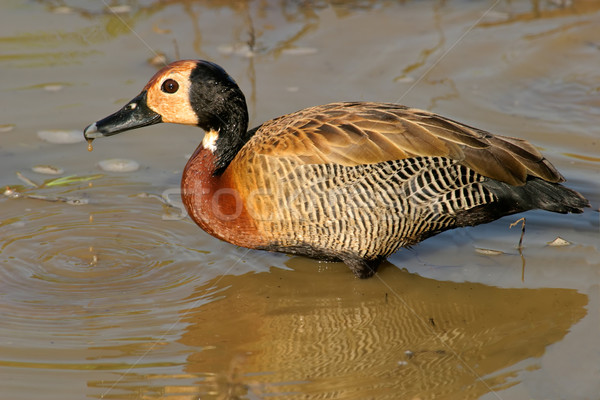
<point x="292" y="333"/>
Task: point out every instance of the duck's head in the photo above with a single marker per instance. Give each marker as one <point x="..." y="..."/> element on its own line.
<point x="190" y="92"/>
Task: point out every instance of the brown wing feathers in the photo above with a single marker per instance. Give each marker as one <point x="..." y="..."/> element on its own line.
<point x="368" y="133"/>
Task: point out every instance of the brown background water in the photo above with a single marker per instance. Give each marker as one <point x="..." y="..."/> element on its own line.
<point x="121" y="298"/>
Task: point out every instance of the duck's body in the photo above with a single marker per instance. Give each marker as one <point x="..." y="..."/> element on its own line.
<point x="342" y="181"/>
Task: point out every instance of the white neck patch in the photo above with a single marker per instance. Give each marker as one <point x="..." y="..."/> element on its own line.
<point x="210" y="140"/>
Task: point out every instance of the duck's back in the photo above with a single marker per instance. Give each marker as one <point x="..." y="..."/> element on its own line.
<point x="355" y="181"/>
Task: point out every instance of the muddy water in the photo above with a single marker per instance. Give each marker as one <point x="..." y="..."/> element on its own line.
<point x="108" y="291"/>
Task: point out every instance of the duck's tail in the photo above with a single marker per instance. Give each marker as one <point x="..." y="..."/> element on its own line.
<point x="536" y="193"/>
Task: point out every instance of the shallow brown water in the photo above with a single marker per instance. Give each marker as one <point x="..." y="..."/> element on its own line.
<point x="107" y="292"/>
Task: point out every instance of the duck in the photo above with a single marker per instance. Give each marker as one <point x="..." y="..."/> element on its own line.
<point x="346" y="181"/>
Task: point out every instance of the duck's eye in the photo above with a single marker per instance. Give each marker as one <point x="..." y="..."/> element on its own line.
<point x="169" y="86"/>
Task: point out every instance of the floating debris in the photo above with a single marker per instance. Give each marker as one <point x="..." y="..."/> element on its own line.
<point x="41" y="197"/>
<point x="74" y="201"/>
<point x="404" y="79"/>
<point x="62" y="10"/>
<point x="67" y="180"/>
<point x="11" y="193"/>
<point x="60" y="136"/>
<point x="239" y="49"/>
<point x="169" y="213"/>
<point x="53" y="87"/>
<point x="4" y="128"/>
<point x="47" y="169"/>
<point x="94" y="261"/>
<point x="299" y="51"/>
<point x="159" y="30"/>
<point x="559" y="242"/>
<point x="120" y="9"/>
<point x="49" y="86"/>
<point x="144" y="195"/>
<point x="119" y="165"/>
<point x="26" y="180"/>
<point x="172" y="216"/>
<point x="159" y="60"/>
<point x="14" y="193"/>
<point x="488" y="252"/>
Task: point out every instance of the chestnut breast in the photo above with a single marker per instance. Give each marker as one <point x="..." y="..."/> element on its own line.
<point x="216" y="203"/>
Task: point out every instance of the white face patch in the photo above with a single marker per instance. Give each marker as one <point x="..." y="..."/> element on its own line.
<point x="210" y="140"/>
<point x="173" y="107"/>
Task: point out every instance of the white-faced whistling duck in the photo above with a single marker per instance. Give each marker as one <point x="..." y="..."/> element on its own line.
<point x="350" y="181"/>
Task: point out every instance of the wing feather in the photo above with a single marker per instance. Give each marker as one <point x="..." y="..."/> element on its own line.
<point x="368" y="133"/>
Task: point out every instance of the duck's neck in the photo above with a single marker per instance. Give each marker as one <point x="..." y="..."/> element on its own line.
<point x="232" y="135"/>
<point x="208" y="192"/>
<point x="227" y="121"/>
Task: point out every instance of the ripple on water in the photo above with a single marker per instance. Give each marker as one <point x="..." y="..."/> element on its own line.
<point x="107" y="273"/>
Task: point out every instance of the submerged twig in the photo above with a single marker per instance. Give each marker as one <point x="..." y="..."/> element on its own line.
<point x="520" y="246"/>
<point x="522" y="220"/>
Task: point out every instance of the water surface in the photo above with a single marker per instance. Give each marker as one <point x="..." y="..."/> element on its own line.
<point x="108" y="292"/>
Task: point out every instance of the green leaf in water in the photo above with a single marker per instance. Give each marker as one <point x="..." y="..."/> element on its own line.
<point x="68" y="180"/>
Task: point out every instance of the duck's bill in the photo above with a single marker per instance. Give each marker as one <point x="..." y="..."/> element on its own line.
<point x="135" y="114"/>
